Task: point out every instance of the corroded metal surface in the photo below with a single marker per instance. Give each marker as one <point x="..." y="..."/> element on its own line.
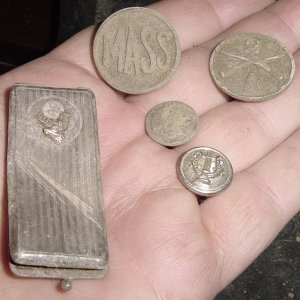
<point x="252" y="67"/>
<point x="204" y="171"/>
<point x="136" y="50"/>
<point x="56" y="220"/>
<point x="172" y="123"/>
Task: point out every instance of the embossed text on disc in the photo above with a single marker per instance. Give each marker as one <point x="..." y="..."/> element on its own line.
<point x="136" y="50"/>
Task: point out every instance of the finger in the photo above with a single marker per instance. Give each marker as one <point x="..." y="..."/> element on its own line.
<point x="195" y="21"/>
<point x="250" y="129"/>
<point x="116" y="118"/>
<point x="192" y="83"/>
<point x="279" y="20"/>
<point x="76" y="53"/>
<point x="78" y="50"/>
<point x="123" y="186"/>
<point x="198" y="21"/>
<point x="261" y="200"/>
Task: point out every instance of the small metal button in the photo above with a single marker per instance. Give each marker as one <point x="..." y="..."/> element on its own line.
<point x="204" y="171"/>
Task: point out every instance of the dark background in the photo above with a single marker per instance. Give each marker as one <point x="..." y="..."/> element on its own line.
<point x="29" y="29"/>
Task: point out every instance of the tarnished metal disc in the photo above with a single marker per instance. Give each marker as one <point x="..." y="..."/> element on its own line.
<point x="136" y="50"/>
<point x="172" y="123"/>
<point x="252" y="67"/>
<point x="204" y="171"/>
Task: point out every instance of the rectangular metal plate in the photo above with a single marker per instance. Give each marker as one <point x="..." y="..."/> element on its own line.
<point x="55" y="199"/>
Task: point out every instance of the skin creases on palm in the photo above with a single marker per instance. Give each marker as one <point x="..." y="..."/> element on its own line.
<point x="162" y="244"/>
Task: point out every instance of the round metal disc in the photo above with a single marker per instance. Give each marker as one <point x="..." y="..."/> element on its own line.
<point x="252" y="67"/>
<point x="171" y="123"/>
<point x="204" y="171"/>
<point x="136" y="50"/>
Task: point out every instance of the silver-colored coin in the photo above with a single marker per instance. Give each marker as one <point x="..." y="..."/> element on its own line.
<point x="204" y="171"/>
<point x="252" y="67"/>
<point x="171" y="123"/>
<point x="136" y="51"/>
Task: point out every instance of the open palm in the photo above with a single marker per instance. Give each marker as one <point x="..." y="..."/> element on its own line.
<point x="162" y="244"/>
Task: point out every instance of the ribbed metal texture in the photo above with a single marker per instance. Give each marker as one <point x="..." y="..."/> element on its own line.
<point x="55" y="196"/>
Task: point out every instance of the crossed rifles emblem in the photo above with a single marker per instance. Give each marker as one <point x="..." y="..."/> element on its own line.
<point x="253" y="56"/>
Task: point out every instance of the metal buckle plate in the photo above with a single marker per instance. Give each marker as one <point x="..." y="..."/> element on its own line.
<point x="56" y="219"/>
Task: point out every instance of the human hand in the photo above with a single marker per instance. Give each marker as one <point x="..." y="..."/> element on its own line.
<point x="162" y="244"/>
